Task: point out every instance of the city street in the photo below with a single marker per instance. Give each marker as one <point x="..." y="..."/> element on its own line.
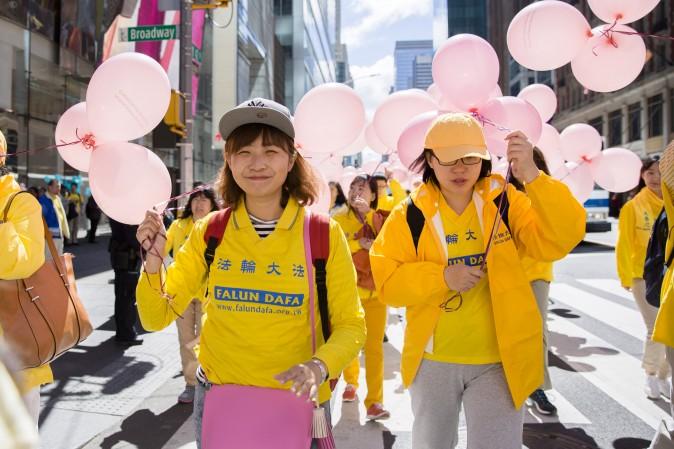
<point x="109" y="397"/>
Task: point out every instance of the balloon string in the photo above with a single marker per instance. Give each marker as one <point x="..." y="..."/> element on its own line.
<point x="87" y="141"/>
<point x="485" y="121"/>
<point x="182" y="195"/>
<point x="498" y="218"/>
<point x="162" y="281"/>
<point x="608" y="34"/>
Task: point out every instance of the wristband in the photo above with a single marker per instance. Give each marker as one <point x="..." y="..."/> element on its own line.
<point x="322" y="367"/>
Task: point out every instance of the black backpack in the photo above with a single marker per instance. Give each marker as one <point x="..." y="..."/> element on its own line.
<point x="416" y="220"/>
<point x="655" y="266"/>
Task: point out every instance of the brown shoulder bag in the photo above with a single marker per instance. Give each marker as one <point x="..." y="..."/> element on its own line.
<point x="42" y="316"/>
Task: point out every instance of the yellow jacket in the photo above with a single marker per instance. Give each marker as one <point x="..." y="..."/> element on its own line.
<point x="536" y="270"/>
<point x="257" y="315"/>
<point x="350" y="226"/>
<point x="544" y="229"/>
<point x="177" y="234"/>
<point x="664" y="323"/>
<point x="398" y="194"/>
<point x="22" y="243"/>
<point x="634" y="230"/>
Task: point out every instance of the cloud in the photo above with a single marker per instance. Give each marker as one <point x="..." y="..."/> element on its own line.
<point x="377" y="14"/>
<point x="373" y="89"/>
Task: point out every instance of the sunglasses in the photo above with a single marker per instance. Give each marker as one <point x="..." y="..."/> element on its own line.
<point x="468" y="160"/>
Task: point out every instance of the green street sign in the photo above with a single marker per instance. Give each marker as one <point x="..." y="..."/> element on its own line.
<point x="148" y="33"/>
<point x="197" y="55"/>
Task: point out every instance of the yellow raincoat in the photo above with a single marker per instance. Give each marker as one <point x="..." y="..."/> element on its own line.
<point x="547" y="222"/>
<point x="634" y="230"/>
<point x="398" y="194"/>
<point x="22" y="243"/>
<point x="663" y="331"/>
<point x="257" y="316"/>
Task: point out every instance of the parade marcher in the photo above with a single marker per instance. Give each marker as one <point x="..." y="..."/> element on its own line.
<point x="474" y="334"/>
<point x="74" y="208"/>
<point x="23" y="252"/>
<point x="199" y="204"/>
<point x="125" y="260"/>
<point x="54" y="214"/>
<point x="94" y="215"/>
<point x="257" y="328"/>
<point x="337" y="198"/>
<point x="540" y="276"/>
<point x="386" y="181"/>
<point x="361" y="223"/>
<point x="634" y="230"/>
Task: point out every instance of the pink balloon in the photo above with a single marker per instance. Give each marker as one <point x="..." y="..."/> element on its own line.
<point x="513" y="114"/>
<point x="396" y="111"/>
<point x="579" y="180"/>
<point x="356" y="146"/>
<point x="373" y="141"/>
<point x="547" y="34"/>
<point x="621" y="11"/>
<point x="371" y="166"/>
<point x="434" y="91"/>
<point x="411" y="141"/>
<point x="499" y="166"/>
<point x="542" y="97"/>
<point x="466" y="69"/>
<point x="608" y="64"/>
<point x="345" y="180"/>
<point x="329" y="165"/>
<point x="328" y="118"/>
<point x="127" y="97"/>
<point x="444" y="105"/>
<point x="127" y="180"/>
<point x="616" y="170"/>
<point x="550" y="143"/>
<point x="496" y="92"/>
<point x="399" y="172"/>
<point x="72" y="126"/>
<point x="322" y="204"/>
<point x="580" y="142"/>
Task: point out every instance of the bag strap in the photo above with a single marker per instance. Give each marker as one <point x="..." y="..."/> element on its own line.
<point x="319" y="243"/>
<point x="214" y="233"/>
<point x="504" y="208"/>
<point x="309" y="258"/>
<point x="56" y="257"/>
<point x="415" y="221"/>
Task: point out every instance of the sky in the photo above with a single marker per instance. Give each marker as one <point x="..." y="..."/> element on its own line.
<point x="370" y="29"/>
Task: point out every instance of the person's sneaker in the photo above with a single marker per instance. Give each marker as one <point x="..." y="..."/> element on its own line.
<point x="665" y="386"/>
<point x="187" y="396"/>
<point x="376" y="411"/>
<point x="349" y="394"/>
<point x="652" y="387"/>
<point x="540" y="401"/>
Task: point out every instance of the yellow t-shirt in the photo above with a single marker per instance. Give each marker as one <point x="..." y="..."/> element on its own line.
<point x="468" y="335"/>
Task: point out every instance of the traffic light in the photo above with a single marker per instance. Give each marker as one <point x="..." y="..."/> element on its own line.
<point x="175" y="115"/>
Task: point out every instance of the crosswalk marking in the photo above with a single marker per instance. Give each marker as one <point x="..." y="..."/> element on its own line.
<point x="609" y="285"/>
<point x="617" y="374"/>
<point x="620" y="317"/>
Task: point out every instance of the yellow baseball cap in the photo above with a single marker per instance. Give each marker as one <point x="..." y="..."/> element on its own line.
<point x="456" y="135"/>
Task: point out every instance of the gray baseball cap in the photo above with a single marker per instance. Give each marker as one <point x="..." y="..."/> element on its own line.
<point x="257" y="110"/>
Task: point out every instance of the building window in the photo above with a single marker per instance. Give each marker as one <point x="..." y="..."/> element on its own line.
<point x="283" y="7"/>
<point x="655" y="116"/>
<point x="615" y="128"/>
<point x="598" y="124"/>
<point x="634" y="118"/>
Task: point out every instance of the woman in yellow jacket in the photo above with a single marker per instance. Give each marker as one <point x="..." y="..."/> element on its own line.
<point x="360" y="223"/>
<point x="663" y="331"/>
<point x="474" y="335"/>
<point x="246" y="339"/>
<point x="23" y="252"/>
<point x="634" y="229"/>
<point x="199" y="204"/>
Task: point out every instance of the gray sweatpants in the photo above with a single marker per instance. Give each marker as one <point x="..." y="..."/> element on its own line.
<point x="542" y="293"/>
<point x="437" y="393"/>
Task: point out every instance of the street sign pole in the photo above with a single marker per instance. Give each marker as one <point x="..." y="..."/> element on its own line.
<point x="186" y="147"/>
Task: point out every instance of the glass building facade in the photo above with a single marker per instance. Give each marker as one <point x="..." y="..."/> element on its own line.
<point x="452" y="17"/>
<point x="404" y="57"/>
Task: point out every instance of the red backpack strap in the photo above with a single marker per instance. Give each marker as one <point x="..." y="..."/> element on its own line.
<point x="214" y="232"/>
<point x="319" y="237"/>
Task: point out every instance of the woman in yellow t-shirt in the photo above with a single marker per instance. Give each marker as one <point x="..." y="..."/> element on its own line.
<point x="361" y="223"/>
<point x="474" y="336"/>
<point x="257" y="326"/>
<point x="634" y="230"/>
<point x="199" y="204"/>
